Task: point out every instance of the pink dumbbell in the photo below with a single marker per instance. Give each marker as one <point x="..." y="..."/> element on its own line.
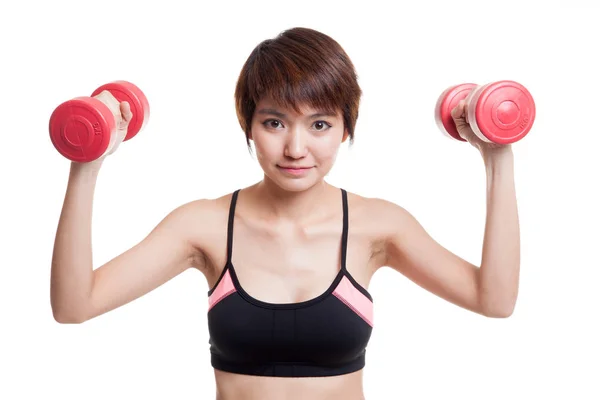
<point x="81" y="129"/>
<point x="500" y="112"/>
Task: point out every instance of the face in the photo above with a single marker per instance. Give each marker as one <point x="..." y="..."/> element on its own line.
<point x="296" y="150"/>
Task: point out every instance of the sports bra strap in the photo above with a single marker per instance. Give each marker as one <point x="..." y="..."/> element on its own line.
<point x="345" y="228"/>
<point x="230" y="225"/>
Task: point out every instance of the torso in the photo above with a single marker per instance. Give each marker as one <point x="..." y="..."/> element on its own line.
<point x="301" y="265"/>
<point x="244" y="387"/>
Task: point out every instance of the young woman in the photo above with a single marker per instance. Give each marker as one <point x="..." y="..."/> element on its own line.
<point x="288" y="260"/>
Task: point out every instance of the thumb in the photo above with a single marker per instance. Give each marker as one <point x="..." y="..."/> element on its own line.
<point x="125" y="112"/>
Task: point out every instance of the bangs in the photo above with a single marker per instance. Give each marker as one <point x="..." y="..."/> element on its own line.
<point x="300" y="67"/>
<point x="291" y="82"/>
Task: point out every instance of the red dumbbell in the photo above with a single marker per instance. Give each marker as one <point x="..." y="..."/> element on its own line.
<point x="499" y="112"/>
<point x="81" y="128"/>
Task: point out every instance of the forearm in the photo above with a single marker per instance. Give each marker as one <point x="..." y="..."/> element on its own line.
<point x="500" y="264"/>
<point x="72" y="265"/>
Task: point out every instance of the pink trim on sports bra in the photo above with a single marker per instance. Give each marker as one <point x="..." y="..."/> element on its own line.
<point x="224" y="289"/>
<point x="353" y="298"/>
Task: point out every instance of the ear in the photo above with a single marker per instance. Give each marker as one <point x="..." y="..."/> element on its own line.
<point x="345" y="135"/>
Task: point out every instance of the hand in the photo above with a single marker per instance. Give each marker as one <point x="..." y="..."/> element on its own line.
<point x="122" y="114"/>
<point x="459" y="114"/>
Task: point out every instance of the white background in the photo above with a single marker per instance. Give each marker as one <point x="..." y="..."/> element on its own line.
<point x="187" y="57"/>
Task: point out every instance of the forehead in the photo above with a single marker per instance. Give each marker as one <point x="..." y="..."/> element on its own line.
<point x="267" y="105"/>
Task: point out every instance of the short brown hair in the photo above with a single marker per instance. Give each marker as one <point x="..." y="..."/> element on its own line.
<point x="299" y="66"/>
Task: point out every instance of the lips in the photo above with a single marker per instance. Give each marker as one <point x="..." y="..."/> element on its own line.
<point x="294" y="170"/>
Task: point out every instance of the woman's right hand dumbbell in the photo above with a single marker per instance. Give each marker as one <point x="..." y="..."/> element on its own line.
<point x="86" y="129"/>
<point x="500" y="112"/>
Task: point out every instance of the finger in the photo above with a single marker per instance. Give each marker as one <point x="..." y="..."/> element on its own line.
<point x="112" y="103"/>
<point x="126" y="111"/>
<point x="458" y="111"/>
<point x="125" y="115"/>
<point x="459" y="116"/>
<point x="107" y="97"/>
<point x="465" y="134"/>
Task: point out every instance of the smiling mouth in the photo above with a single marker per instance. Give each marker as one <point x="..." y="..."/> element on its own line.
<point x="292" y="167"/>
<point x="294" y="170"/>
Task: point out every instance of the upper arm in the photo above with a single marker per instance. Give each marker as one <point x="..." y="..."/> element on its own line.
<point x="165" y="252"/>
<point x="410" y="250"/>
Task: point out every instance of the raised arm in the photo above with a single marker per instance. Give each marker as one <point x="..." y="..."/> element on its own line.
<point x="78" y="292"/>
<point x="489" y="289"/>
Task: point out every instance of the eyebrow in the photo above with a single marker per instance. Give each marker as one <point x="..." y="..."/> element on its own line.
<point x="272" y="111"/>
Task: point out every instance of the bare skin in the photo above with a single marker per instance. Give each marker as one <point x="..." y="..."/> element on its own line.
<point x="286" y="247"/>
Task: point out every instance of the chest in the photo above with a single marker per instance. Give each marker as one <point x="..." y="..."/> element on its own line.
<point x="290" y="264"/>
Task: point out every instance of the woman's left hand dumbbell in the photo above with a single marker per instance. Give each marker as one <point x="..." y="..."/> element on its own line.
<point x="499" y="112"/>
<point x="85" y="129"/>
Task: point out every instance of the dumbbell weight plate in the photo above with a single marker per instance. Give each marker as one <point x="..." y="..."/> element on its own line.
<point x="140" y="108"/>
<point x="501" y="112"/>
<point x="446" y="103"/>
<point x="81" y="129"/>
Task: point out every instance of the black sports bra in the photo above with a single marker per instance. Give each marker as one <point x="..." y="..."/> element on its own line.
<point x="326" y="335"/>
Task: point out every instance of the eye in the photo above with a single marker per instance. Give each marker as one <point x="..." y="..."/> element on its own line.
<point x="272" y="123"/>
<point x="321" y="125"/>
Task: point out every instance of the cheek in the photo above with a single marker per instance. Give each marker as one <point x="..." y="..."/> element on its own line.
<point x="265" y="149"/>
<point x="327" y="149"/>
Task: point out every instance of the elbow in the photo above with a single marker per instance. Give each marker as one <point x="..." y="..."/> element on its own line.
<point x="68" y="317"/>
<point x="70" y="309"/>
<point x="498" y="310"/>
<point x="499" y="313"/>
<point x="498" y="302"/>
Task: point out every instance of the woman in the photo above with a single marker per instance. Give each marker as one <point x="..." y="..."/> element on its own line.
<point x="288" y="260"/>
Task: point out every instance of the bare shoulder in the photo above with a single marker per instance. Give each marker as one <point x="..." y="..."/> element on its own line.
<point x="406" y="247"/>
<point x="196" y="215"/>
<point x="205" y="222"/>
<point x="381" y="222"/>
<point x="184" y="238"/>
<point x="381" y="216"/>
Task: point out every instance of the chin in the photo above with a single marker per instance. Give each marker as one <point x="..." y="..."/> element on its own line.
<point x="297" y="185"/>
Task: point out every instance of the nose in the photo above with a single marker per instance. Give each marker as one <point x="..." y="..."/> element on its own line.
<point x="296" y="144"/>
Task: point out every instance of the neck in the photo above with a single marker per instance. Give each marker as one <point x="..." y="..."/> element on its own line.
<point x="289" y="205"/>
